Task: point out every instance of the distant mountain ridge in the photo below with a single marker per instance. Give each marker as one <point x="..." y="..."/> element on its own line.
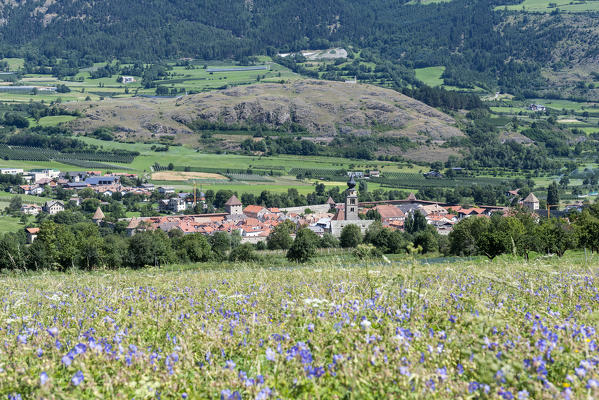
<point x="325" y="110"/>
<point x="478" y="45"/>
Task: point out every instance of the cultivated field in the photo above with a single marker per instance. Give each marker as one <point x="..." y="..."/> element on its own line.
<point x="506" y="329"/>
<point x="547" y="6"/>
<point x="184" y="176"/>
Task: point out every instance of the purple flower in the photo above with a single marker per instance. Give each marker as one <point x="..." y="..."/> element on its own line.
<point x="310" y="328"/>
<point x="22" y="339"/>
<point x="264" y="394"/>
<point x="523" y="394"/>
<point x="270" y="354"/>
<point x="66" y="360"/>
<point x="592" y="384"/>
<point x="40" y="352"/>
<point x="80" y="348"/>
<point x="43" y="378"/>
<point x="77" y="378"/>
<point x="183" y="395"/>
<point x="460" y="369"/>
<point x="230" y="364"/>
<point x="52" y="331"/>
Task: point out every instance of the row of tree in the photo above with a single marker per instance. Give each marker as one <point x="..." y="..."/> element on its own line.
<point x="521" y="234"/>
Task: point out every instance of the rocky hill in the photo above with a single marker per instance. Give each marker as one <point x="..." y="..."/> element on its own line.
<point x="324" y="109"/>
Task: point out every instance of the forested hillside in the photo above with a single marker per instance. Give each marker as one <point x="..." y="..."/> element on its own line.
<point x="479" y="45"/>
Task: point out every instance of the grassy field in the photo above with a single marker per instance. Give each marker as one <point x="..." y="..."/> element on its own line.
<point x="9" y="223"/>
<point x="547" y="6"/>
<point x="502" y="329"/>
<point x="431" y="76"/>
<point x="197" y="79"/>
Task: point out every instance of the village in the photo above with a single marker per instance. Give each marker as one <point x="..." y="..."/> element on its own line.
<point x="188" y="212"/>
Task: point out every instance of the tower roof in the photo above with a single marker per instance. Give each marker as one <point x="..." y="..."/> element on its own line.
<point x="411" y="197"/>
<point x="98" y="214"/>
<point x="233" y="201"/>
<point x="531" y="198"/>
<point x="330" y="201"/>
<point x="352" y="182"/>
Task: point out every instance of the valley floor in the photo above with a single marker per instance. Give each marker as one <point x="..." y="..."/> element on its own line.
<point x="506" y="328"/>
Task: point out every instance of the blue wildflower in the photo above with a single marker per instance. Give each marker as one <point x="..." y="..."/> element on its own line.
<point x="523" y="394"/>
<point x="264" y="394"/>
<point x="270" y="354"/>
<point x="592" y="384"/>
<point x="43" y="378"/>
<point x="77" y="378"/>
<point x="230" y="364"/>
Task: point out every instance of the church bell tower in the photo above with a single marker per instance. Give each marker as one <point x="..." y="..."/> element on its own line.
<point x="351" y="200"/>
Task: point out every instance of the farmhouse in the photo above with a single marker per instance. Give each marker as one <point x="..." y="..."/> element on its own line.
<point x="53" y="207"/>
<point x="531" y="202"/>
<point x="127" y="79"/>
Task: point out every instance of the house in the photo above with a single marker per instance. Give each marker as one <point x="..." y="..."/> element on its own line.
<point x="512" y="193"/>
<point x="53" y="207"/>
<point x="433" y="209"/>
<point x="537" y="108"/>
<point x="257" y="212"/>
<point x="531" y="202"/>
<point x="30" y="189"/>
<point x="177" y="204"/>
<point x="101" y="180"/>
<point x="147" y="186"/>
<point x="127" y="79"/>
<point x="11" y="171"/>
<point x="433" y="174"/>
<point x="31" y="234"/>
<point x="389" y="213"/>
<point x="75" y="200"/>
<point x="374" y="174"/>
<point x="98" y="216"/>
<point x="31" y="209"/>
<point x="166" y="190"/>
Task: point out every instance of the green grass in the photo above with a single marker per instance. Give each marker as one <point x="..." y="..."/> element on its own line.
<point x="9" y="223"/>
<point x="14" y="64"/>
<point x="52" y="120"/>
<point x="337" y="328"/>
<point x="27" y="199"/>
<point x="426" y="2"/>
<point x="431" y="76"/>
<point x="542" y="6"/>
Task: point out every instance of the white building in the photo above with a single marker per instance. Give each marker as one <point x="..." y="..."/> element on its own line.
<point x="53" y="207"/>
<point x="11" y="171"/>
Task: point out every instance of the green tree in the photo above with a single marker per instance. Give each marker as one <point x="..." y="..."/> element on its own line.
<point x="351" y="236"/>
<point x="149" y="248"/>
<point x="556" y="236"/>
<point x="304" y="246"/>
<point x="221" y="244"/>
<point x="328" y="241"/>
<point x="280" y="237"/>
<point x="192" y="248"/>
<point x="427" y="239"/>
<point x="90" y="252"/>
<point x="415" y="222"/>
<point x="15" y="204"/>
<point x="465" y="236"/>
<point x="552" y="194"/>
<point x="244" y="253"/>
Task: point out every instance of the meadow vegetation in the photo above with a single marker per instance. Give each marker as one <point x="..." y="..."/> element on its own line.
<point x="501" y="329"/>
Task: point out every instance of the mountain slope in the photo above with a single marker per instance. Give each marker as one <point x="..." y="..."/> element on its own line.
<point x="478" y="45"/>
<point x="324" y="109"/>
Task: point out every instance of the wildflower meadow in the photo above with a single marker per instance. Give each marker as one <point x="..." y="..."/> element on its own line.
<point x="498" y="330"/>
